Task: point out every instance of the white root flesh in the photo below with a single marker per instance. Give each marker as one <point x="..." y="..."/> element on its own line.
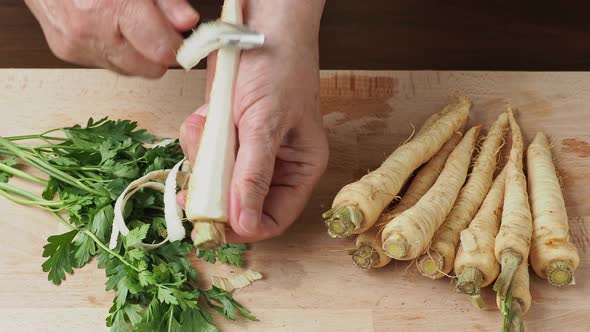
<point x="207" y="203"/>
<point x="172" y="212"/>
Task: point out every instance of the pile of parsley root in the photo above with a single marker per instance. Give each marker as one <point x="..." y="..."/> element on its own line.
<point x="445" y="201"/>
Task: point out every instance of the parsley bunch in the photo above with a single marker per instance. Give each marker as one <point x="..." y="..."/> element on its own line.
<point x="87" y="168"/>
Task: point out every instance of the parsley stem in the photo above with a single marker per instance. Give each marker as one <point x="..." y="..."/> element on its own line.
<point x="64" y="222"/>
<point x="27" y="202"/>
<point x="42" y="137"/>
<point x="48" y="147"/>
<point x="105" y="248"/>
<point x="33" y="199"/>
<point x="48" y="169"/>
<point x="97" y="241"/>
<point x="6" y="152"/>
<point x="77" y="168"/>
<point x="19" y="173"/>
<point x="170" y="318"/>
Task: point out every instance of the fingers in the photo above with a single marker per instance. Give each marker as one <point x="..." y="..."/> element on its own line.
<point x="128" y="61"/>
<point x="251" y="182"/>
<point x="181" y="198"/>
<point x="149" y="32"/>
<point x="180" y="13"/>
<point x="289" y="192"/>
<point x="190" y="132"/>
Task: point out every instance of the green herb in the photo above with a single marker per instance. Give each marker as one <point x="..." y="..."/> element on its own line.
<point x="228" y="254"/>
<point x="87" y="168"/>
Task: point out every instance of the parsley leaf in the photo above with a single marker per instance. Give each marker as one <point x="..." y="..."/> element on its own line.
<point x="228" y="254"/>
<point x="59" y="252"/>
<point x="121" y="319"/>
<point x="136" y="235"/>
<point x="174" y="253"/>
<point x="85" y="249"/>
<point x="165" y="295"/>
<point x="4" y="177"/>
<point x="154" y="290"/>
<point x="10" y="161"/>
<point x="197" y="319"/>
<point x="146" y="278"/>
<point x="229" y="305"/>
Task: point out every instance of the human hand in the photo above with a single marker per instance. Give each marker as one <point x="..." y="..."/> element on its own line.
<point x="283" y="149"/>
<point x="131" y="37"/>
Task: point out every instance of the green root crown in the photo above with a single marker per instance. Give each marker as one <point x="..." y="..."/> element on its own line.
<point x="364" y="257"/>
<point x="510" y="262"/>
<point x="469" y="282"/>
<point x="208" y="234"/>
<point x="560" y="273"/>
<point x="343" y="221"/>
<point x="431" y="264"/>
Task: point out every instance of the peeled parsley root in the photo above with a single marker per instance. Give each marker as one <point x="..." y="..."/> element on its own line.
<point x="408" y="235"/>
<point x="475" y="263"/>
<point x="358" y="205"/>
<point x="517" y="301"/>
<point x="552" y="255"/>
<point x="367" y="253"/>
<point x="513" y="241"/>
<point x="438" y="261"/>
<point x="207" y="201"/>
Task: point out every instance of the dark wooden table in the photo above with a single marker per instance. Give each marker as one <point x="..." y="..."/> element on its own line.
<point x="390" y="34"/>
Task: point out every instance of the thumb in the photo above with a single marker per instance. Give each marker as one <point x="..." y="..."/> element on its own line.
<point x="190" y="132"/>
<point x="179" y="13"/>
<point x="251" y="181"/>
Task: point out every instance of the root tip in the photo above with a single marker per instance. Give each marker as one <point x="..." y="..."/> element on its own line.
<point x="208" y="234"/>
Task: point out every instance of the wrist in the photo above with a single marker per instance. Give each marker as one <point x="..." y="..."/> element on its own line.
<point x="286" y="21"/>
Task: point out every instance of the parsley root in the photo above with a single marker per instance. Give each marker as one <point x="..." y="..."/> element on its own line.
<point x="207" y="201"/>
<point x="552" y="256"/>
<point x="358" y="205"/>
<point x="513" y="240"/>
<point x="438" y="261"/>
<point x="367" y="252"/>
<point x="408" y="235"/>
<point x="423" y="180"/>
<point x="475" y="263"/>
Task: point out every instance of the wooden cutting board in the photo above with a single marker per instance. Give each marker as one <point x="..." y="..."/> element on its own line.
<point x="310" y="283"/>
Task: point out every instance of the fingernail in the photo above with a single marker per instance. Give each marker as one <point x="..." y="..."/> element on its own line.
<point x="184" y="12"/>
<point x="202" y="111"/>
<point x="181" y="198"/>
<point x="249" y="220"/>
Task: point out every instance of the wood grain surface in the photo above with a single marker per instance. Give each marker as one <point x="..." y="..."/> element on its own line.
<point x="309" y="282"/>
<point x="393" y="34"/>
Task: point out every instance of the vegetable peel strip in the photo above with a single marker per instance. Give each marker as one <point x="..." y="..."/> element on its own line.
<point x="236" y="282"/>
<point x="158" y="180"/>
